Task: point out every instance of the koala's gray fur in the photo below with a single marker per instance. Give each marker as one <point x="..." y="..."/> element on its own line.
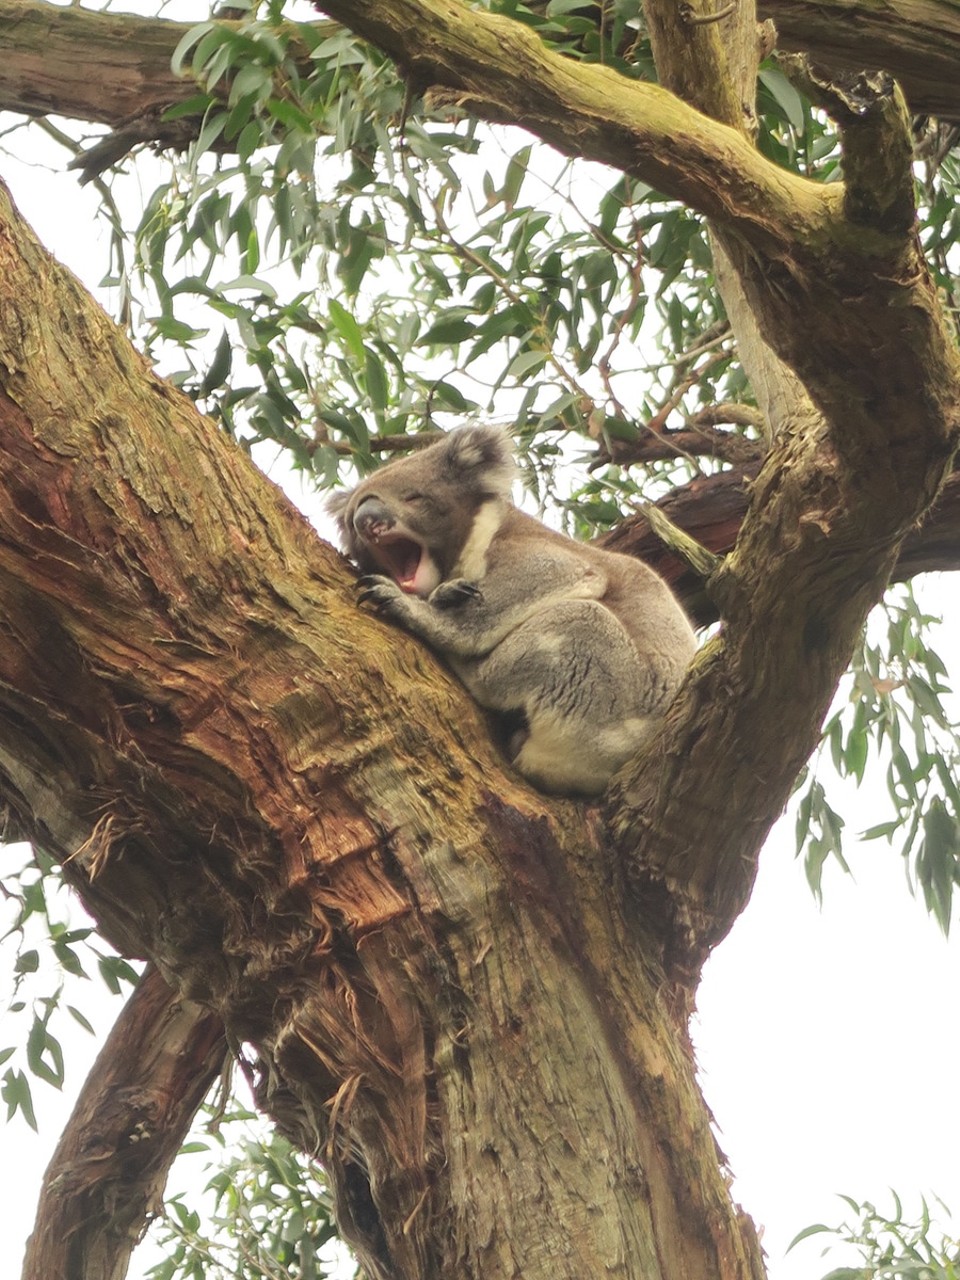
<point x="584" y="648"/>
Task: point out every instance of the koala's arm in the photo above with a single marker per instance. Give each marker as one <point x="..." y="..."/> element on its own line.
<point x="468" y="619"/>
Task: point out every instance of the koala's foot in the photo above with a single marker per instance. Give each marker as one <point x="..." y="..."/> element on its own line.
<point x="512" y="731"/>
<point x="377" y="590"/>
<point x="455" y="592"/>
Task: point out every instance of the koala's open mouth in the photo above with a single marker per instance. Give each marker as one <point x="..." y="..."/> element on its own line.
<point x="401" y="558"/>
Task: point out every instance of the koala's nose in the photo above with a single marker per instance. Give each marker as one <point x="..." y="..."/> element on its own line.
<point x="372" y="519"/>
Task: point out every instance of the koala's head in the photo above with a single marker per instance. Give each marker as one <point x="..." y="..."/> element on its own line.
<point x="412" y="518"/>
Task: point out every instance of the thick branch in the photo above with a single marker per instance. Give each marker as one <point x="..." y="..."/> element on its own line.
<point x="48" y="50"/>
<point x="46" y="46"/>
<point x="499" y="69"/>
<point x="918" y="41"/>
<point x="108" y="1172"/>
<point x="712" y="509"/>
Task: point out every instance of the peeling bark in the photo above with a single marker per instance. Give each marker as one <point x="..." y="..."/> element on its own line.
<point x="197" y="718"/>
<point x="107" y="1175"/>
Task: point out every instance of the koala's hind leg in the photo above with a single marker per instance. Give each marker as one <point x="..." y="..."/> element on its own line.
<point x="576" y="676"/>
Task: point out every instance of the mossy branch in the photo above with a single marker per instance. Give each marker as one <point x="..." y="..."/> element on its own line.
<point x="499" y="69"/>
<point x="702" y="561"/>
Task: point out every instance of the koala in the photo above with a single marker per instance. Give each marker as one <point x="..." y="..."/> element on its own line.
<point x="578" y="650"/>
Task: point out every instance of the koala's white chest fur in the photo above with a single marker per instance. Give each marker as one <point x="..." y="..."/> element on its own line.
<point x="581" y="648"/>
<point x="472" y="562"/>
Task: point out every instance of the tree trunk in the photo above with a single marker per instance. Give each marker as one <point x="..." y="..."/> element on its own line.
<point x="445" y="994"/>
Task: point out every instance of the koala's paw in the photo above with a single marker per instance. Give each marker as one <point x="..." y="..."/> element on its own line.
<point x="455" y="592"/>
<point x="377" y="590"/>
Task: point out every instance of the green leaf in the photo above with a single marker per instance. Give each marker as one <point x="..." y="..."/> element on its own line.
<point x="44" y="1054"/>
<point x="785" y="95"/>
<point x="27" y="962"/>
<point x="187" y="42"/>
<point x="212" y="129"/>
<point x="450" y="397"/>
<point x="68" y="958"/>
<point x="937" y="861"/>
<point x="349" y="330"/>
<point x="251" y="137"/>
<point x="15" y="1092"/>
<point x="526" y="362"/>
<point x="448" y="331"/>
<point x="375" y="379"/>
<point x="815" y="1228"/>
<point x="219" y="369"/>
<point x="288" y="114"/>
<point x="516" y="172"/>
<point x="253" y="283"/>
<point x="194" y="106"/>
<point x="79" y="1017"/>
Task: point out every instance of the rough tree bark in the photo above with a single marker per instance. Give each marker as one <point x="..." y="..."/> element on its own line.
<point x="107" y="1176"/>
<point x="917" y="40"/>
<point x="194" y="712"/>
<point x="48" y="50"/>
<point x="468" y="999"/>
<point x="47" y="47"/>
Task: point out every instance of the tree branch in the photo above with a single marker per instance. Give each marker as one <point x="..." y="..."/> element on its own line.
<point x="499" y="69"/>
<point x="917" y="41"/>
<point x="47" y="48"/>
<point x="108" y="1172"/>
<point x="301" y="819"/>
<point x="712" y="509"/>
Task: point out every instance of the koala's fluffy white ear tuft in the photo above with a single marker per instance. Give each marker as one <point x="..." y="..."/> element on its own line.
<point x="484" y="457"/>
<point x="336" y="506"/>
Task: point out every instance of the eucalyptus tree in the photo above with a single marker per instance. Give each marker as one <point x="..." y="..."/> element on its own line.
<point x="707" y="281"/>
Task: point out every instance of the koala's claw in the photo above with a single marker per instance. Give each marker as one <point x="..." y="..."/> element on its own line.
<point x="456" y="591"/>
<point x="375" y="589"/>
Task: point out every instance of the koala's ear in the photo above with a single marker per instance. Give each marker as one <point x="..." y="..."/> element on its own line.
<point x="483" y="456"/>
<point x="336" y="505"/>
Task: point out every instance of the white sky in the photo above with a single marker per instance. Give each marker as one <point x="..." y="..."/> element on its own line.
<point x="828" y="1039"/>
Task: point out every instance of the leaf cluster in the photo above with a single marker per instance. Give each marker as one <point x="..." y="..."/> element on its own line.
<point x="51" y="954"/>
<point x="890" y="1247"/>
<point x="895" y="708"/>
<point x="271" y="1216"/>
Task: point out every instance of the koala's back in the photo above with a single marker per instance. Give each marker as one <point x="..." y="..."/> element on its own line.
<point x="597" y="649"/>
<point x="629" y="589"/>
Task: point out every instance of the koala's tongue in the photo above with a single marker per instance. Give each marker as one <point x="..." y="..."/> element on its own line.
<point x="402" y="557"/>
